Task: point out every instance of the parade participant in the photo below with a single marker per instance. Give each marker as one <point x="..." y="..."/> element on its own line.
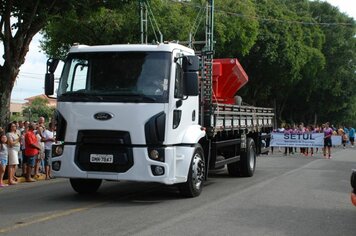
<point x="327" y="139"/>
<point x="352" y="136"/>
<point x="341" y="132"/>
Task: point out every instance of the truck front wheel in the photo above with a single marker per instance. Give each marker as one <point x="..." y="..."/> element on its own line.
<point x="85" y="186"/>
<point x="194" y="185"/>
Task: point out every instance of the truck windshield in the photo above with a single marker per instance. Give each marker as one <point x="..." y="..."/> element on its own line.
<point x="116" y="77"/>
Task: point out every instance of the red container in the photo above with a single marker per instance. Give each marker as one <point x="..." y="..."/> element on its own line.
<point x="228" y="78"/>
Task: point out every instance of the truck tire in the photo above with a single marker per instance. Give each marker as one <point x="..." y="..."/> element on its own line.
<point x="246" y="166"/>
<point x="85" y="186"/>
<point x="196" y="175"/>
<point x="248" y="159"/>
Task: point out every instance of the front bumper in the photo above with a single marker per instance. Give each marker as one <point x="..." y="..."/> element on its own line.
<point x="176" y="166"/>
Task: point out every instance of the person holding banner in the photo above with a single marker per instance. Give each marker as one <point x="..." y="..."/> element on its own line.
<point x="288" y="130"/>
<point x="352" y="136"/>
<point x="327" y="139"/>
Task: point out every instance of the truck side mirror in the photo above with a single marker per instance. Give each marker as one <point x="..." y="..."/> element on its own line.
<point x="49" y="78"/>
<point x="52" y="65"/>
<point x="190" y="63"/>
<point x="190" y="84"/>
<point x="49" y="84"/>
<point x="190" y="68"/>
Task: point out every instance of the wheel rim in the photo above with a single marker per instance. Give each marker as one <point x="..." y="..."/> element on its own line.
<point x="252" y="158"/>
<point x="197" y="171"/>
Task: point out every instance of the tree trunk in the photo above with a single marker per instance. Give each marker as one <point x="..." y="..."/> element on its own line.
<point x="7" y="80"/>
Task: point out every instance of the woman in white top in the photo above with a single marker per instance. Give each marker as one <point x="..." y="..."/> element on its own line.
<point x="13" y="145"/>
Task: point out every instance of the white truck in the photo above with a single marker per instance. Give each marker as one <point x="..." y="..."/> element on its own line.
<point x="153" y="113"/>
<point x="147" y="113"/>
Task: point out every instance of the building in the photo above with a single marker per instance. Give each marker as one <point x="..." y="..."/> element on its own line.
<point x="52" y="102"/>
<point x="16" y="107"/>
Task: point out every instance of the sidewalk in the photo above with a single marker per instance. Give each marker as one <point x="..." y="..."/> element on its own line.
<point x="22" y="179"/>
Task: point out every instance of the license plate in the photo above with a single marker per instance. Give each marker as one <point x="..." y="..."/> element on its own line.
<point x="101" y="158"/>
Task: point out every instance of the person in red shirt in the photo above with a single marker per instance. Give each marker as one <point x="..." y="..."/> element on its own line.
<point x="31" y="150"/>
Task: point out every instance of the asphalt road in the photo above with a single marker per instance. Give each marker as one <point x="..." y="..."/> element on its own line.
<point x="293" y="195"/>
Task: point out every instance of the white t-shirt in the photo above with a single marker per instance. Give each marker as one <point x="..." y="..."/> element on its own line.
<point x="48" y="135"/>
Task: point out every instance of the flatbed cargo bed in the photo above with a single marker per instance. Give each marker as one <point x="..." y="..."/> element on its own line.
<point x="234" y="117"/>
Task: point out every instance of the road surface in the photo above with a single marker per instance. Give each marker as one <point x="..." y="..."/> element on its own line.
<point x="288" y="195"/>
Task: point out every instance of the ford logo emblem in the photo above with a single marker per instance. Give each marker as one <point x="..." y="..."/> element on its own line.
<point x="103" y="116"/>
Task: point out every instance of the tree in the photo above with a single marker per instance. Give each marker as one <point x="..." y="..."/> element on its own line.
<point x="20" y="21"/>
<point x="38" y="107"/>
<point x="336" y="97"/>
<point x="294" y="60"/>
<point x="284" y="49"/>
<point x="91" y="25"/>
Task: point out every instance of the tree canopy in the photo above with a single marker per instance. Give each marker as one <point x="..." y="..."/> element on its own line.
<point x="299" y="54"/>
<point x="20" y="21"/>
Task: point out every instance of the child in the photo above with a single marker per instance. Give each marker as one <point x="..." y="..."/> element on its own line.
<point x="3" y="158"/>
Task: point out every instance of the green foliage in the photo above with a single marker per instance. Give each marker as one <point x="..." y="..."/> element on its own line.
<point x="295" y="62"/>
<point x="39" y="107"/>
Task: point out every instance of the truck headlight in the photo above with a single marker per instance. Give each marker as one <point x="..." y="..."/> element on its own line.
<point x="57" y="150"/>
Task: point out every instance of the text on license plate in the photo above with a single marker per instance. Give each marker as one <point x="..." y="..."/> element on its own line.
<point x="101" y="158"/>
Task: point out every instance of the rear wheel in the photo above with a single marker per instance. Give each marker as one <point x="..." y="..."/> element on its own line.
<point x="85" y="186"/>
<point x="196" y="175"/>
<point x="248" y="159"/>
<point x="246" y="166"/>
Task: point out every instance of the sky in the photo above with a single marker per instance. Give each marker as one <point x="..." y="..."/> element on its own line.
<point x="30" y="81"/>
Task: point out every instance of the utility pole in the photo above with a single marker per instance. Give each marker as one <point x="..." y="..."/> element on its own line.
<point x="207" y="67"/>
<point x="143" y="14"/>
<point x="146" y="16"/>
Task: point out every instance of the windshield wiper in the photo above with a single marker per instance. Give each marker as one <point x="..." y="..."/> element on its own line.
<point x="82" y="94"/>
<point x="134" y="97"/>
<point x="76" y="93"/>
<point x="141" y="97"/>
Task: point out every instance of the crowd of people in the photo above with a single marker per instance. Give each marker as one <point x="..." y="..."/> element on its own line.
<point x="347" y="135"/>
<point x="26" y="145"/>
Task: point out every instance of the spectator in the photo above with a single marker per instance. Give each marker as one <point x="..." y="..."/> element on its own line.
<point x="21" y="126"/>
<point x="23" y="147"/>
<point x="48" y="139"/>
<point x="31" y="150"/>
<point x="3" y="158"/>
<point x="40" y="156"/>
<point x="13" y="142"/>
<point x="41" y="121"/>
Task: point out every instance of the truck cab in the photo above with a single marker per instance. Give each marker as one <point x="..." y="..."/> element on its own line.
<point x="127" y="112"/>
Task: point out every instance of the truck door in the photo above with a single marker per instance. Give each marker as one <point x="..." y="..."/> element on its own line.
<point x="184" y="109"/>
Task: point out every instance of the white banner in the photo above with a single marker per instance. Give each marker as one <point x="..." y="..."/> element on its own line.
<point x="297" y="140"/>
<point x="336" y="140"/>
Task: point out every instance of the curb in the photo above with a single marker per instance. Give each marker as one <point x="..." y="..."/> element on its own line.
<point x="23" y="180"/>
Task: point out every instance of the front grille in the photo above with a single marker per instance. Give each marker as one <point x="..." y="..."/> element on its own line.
<point x="116" y="143"/>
